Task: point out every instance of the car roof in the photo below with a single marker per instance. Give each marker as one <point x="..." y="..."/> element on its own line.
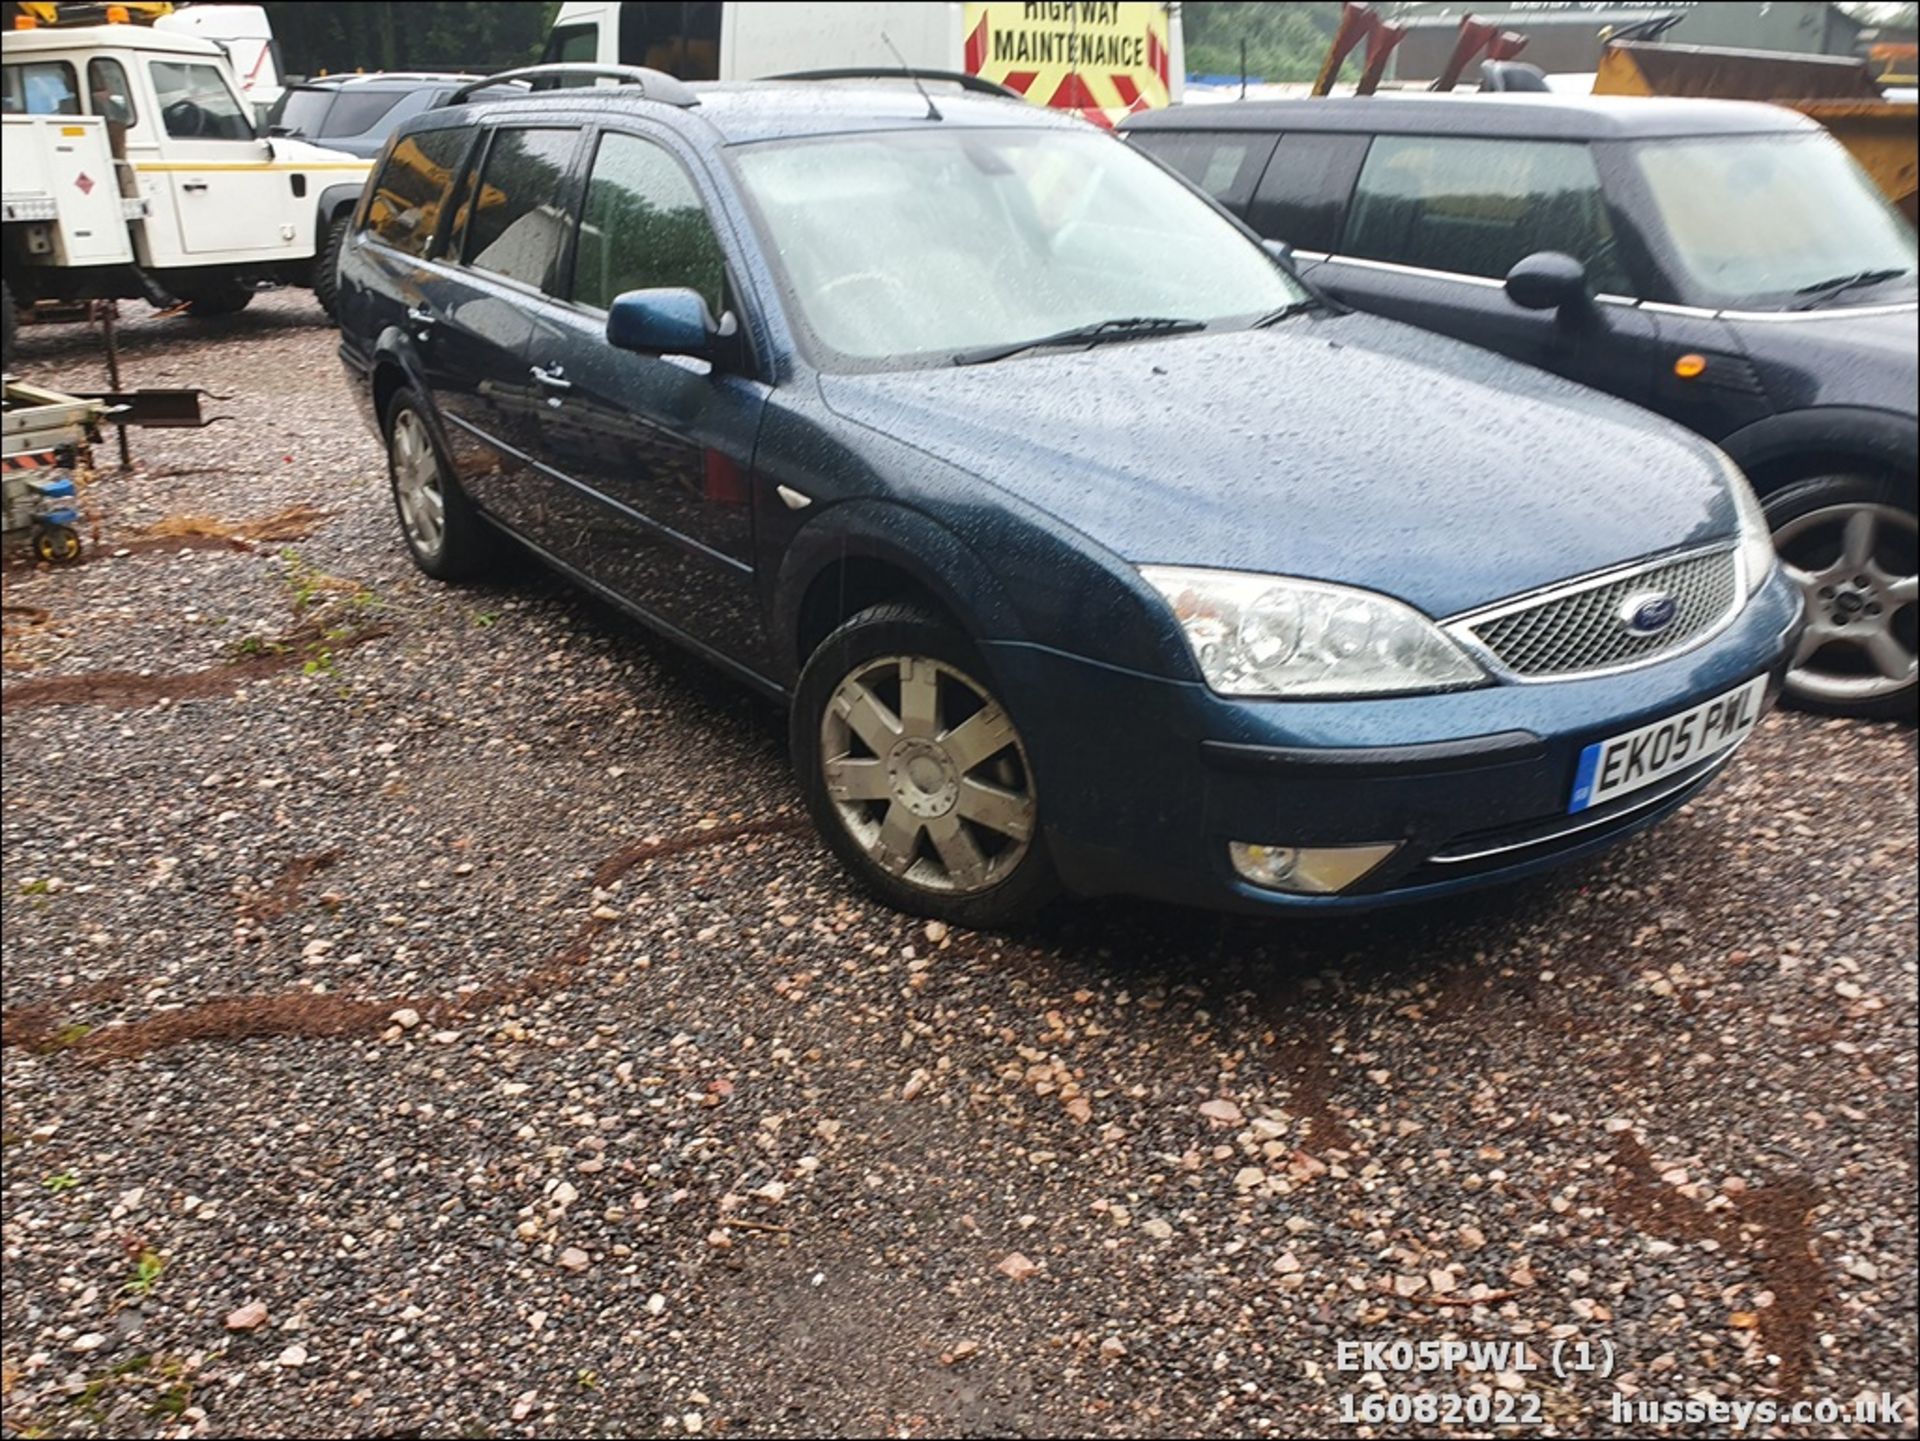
<point x="746" y="111"/>
<point x="1532" y="115"/>
<point x="109" y="37"/>
<point x="385" y="79"/>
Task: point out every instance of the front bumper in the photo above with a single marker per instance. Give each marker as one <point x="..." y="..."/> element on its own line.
<point x="1144" y="781"/>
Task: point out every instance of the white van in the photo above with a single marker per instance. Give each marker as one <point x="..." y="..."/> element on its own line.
<point x="246" y="34"/>
<point x="1103" y="60"/>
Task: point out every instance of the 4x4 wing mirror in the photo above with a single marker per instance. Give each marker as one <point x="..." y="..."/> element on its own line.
<point x="1549" y="280"/>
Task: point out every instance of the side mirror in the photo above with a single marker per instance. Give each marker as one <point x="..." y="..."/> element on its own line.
<point x="1280" y="250"/>
<point x="671" y="320"/>
<point x="1549" y="280"/>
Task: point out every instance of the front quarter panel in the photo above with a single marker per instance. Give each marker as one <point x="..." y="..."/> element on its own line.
<point x="1007" y="570"/>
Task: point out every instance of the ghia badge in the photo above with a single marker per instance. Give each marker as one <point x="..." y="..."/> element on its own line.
<point x="1648" y="613"/>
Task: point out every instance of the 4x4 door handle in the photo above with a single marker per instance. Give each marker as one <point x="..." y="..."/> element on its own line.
<point x="555" y="379"/>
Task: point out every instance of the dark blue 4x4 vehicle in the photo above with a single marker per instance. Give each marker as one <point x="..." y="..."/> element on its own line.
<point x="1087" y="544"/>
<point x="1724" y="263"/>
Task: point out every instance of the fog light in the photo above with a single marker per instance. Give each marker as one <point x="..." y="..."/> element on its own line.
<point x="1307" y="870"/>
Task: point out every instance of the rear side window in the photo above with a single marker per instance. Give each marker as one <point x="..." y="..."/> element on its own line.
<point x="644" y="226"/>
<point x="44" y="87"/>
<point x="195" y="103"/>
<point x="1307" y="182"/>
<point x="410" y="193"/>
<point x="1223" y="163"/>
<point x="1474" y="207"/>
<point x="356" y="112"/>
<point x="517" y="226"/>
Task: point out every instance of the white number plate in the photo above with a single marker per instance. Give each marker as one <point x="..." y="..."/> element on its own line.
<point x="1623" y="764"/>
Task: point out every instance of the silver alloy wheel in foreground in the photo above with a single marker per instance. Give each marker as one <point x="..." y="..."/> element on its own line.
<point x="416" y="482"/>
<point x="927" y="774"/>
<point x="1858" y="646"/>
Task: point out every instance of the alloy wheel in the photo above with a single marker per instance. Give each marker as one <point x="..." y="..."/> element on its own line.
<point x="1856" y="565"/>
<point x="416" y="483"/>
<point x="928" y="774"/>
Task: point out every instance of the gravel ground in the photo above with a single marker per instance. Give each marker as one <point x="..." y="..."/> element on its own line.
<point x="426" y="1014"/>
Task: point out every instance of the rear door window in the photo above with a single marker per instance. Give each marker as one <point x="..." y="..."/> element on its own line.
<point x="1474" y="207"/>
<point x="1225" y="164"/>
<point x="1305" y="187"/>
<point x="644" y="226"/>
<point x="517" y="228"/>
<point x="410" y="193"/>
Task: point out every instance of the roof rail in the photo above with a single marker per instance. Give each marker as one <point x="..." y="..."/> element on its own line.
<point x="654" y="84"/>
<point x="975" y="83"/>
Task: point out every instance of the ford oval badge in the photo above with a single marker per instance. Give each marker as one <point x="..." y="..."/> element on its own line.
<point x="1648" y="613"/>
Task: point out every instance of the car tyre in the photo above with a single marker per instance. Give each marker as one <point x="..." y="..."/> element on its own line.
<point x="916" y="774"/>
<point x="1850" y="542"/>
<point x="326" y="266"/>
<point x="442" y="528"/>
<point x="221" y="298"/>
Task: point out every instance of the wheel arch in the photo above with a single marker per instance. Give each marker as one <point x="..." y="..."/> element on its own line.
<point x="1801" y="444"/>
<point x="335" y="201"/>
<point x="863" y="553"/>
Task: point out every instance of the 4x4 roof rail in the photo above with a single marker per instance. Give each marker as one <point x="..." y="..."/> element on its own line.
<point x="654" y="84"/>
<point x="975" y="83"/>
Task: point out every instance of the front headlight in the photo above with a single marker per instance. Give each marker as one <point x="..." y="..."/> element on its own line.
<point x="1263" y="635"/>
<point x="1756" y="536"/>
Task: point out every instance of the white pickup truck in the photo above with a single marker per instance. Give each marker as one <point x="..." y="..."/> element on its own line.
<point x="132" y="167"/>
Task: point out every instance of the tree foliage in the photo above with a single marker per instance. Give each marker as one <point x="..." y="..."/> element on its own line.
<point x="1285" y="42"/>
<point x="348" y="35"/>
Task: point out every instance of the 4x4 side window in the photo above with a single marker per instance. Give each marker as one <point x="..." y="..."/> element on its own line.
<point x="1474" y="207"/>
<point x="196" y="103"/>
<point x="41" y="87"/>
<point x="643" y="226"/>
<point x="410" y="194"/>
<point x="1305" y="187"/>
<point x="519" y="225"/>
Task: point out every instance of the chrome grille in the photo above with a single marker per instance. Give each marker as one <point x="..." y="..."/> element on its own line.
<point x="1579" y="628"/>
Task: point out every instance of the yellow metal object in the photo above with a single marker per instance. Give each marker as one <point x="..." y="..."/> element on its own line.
<point x="33" y="13"/>
<point x="1689" y="366"/>
<point x="1882" y="135"/>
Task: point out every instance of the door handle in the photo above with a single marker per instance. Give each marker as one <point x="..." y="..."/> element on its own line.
<point x="555" y="379"/>
<point x="194" y="185"/>
<point x="419" y="316"/>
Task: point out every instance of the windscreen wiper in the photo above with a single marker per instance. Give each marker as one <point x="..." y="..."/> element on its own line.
<point x="1826" y="289"/>
<point x="1106" y="331"/>
<point x="1287" y="312"/>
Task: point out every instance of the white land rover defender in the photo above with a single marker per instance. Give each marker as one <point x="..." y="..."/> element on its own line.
<point x="133" y="167"/>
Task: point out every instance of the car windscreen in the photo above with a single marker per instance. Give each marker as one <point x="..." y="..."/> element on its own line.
<point x="906" y="247"/>
<point x="1767" y="220"/>
<point x="301" y="111"/>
